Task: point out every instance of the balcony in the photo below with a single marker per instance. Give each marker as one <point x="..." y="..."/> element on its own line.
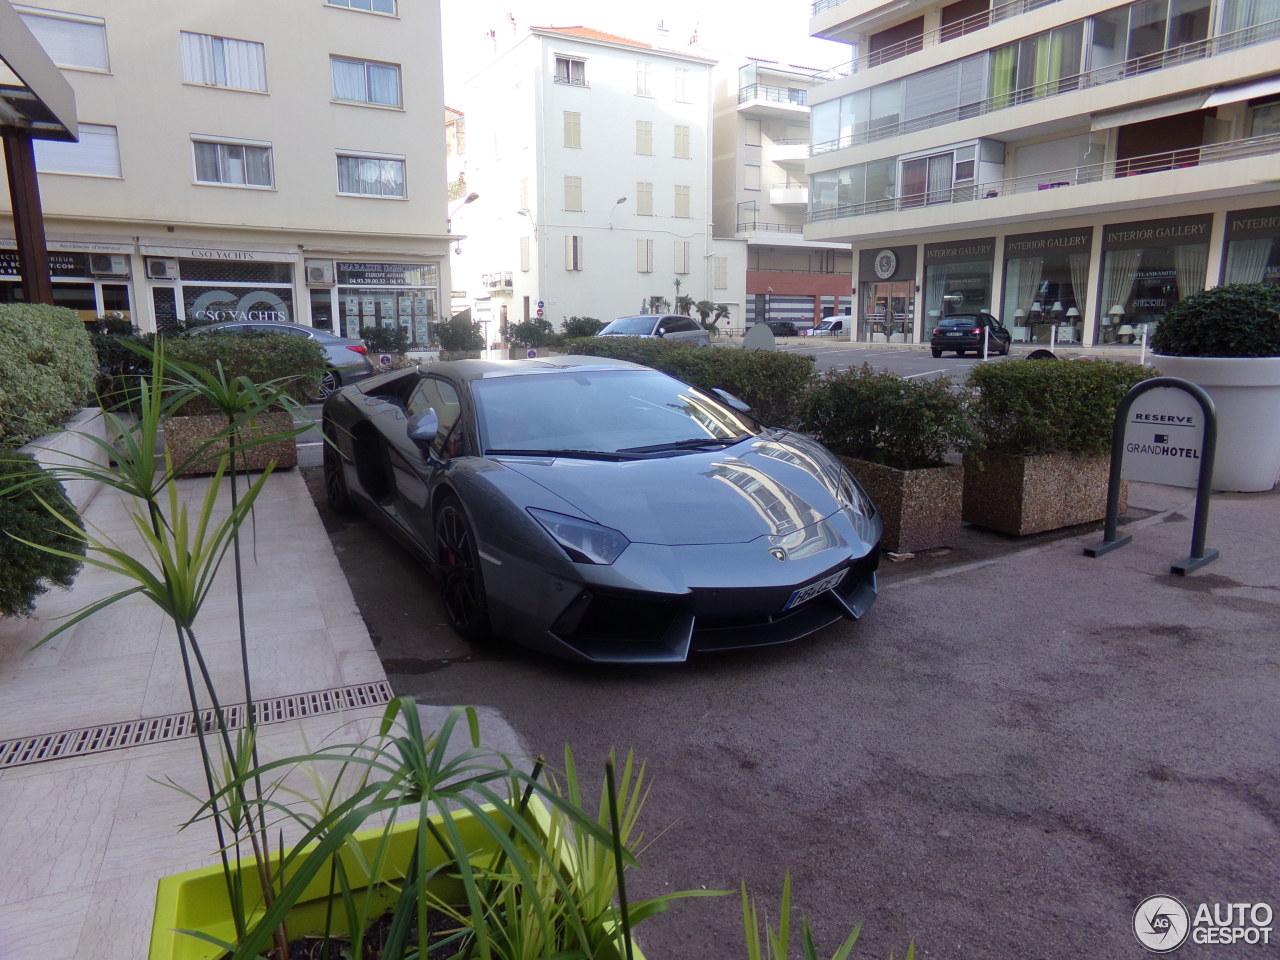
<point x="497" y="284"/>
<point x="765" y="100"/>
<point x="787" y="153"/>
<point x="1174" y="57"/>
<point x="789" y="194"/>
<point x="1165" y="161"/>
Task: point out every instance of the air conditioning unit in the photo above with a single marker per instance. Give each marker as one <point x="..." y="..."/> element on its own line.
<point x="108" y="265"/>
<point x="162" y="268"/>
<point x="319" y="271"/>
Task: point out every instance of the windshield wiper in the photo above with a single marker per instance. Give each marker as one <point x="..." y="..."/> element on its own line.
<point x="568" y="454"/>
<point x="697" y="443"/>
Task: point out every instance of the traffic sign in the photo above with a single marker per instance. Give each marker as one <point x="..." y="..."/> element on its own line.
<point x="541" y="305"/>
<point x="539" y="311"/>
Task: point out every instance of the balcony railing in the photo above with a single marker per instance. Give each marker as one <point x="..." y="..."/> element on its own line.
<point x="1176" y="56"/>
<point x="571" y="81"/>
<point x="749" y="226"/>
<point x="1091" y="173"/>
<point x="978" y="21"/>
<point x="772" y="94"/>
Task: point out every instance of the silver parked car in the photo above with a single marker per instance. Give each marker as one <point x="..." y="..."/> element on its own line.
<point x="346" y="359"/>
<point x="603" y="511"/>
<point x="668" y="326"/>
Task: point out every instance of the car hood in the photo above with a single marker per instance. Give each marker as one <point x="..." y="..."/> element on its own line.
<point x="773" y="485"/>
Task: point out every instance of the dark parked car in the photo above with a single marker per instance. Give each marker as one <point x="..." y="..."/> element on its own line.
<point x="668" y="326"/>
<point x="965" y="331"/>
<point x="783" y="328"/>
<point x="603" y="511"/>
<point x="346" y="359"/>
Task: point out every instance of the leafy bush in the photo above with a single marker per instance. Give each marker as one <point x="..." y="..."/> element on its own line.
<point x="26" y="572"/>
<point x="262" y="357"/>
<point x="882" y="417"/>
<point x="120" y="366"/>
<point x="47" y="369"/>
<point x="581" y="327"/>
<point x="1045" y="406"/>
<point x="531" y="333"/>
<point x="772" y="383"/>
<point x="459" y="334"/>
<point x="1237" y="320"/>
<point x="380" y="339"/>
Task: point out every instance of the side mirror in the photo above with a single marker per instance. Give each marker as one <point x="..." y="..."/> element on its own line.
<point x="738" y="404"/>
<point x="662" y="331"/>
<point x="424" y="426"/>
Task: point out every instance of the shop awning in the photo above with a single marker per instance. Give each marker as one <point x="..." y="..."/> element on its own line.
<point x="1147" y="111"/>
<point x="1244" y="91"/>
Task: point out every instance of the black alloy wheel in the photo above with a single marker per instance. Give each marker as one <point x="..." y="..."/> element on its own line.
<point x="329" y="383"/>
<point x="458" y="565"/>
<point x="335" y="478"/>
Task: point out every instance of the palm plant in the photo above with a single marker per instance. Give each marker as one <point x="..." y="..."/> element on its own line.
<point x="684" y="304"/>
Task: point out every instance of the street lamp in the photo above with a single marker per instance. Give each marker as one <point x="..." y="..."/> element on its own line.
<point x="616" y="204"/>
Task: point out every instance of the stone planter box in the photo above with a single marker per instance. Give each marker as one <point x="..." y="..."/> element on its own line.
<point x="1024" y="495"/>
<point x="184" y="436"/>
<point x="73" y="447"/>
<point x="920" y="509"/>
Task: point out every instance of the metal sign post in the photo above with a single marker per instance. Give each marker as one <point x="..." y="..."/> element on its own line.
<point x="1161" y="440"/>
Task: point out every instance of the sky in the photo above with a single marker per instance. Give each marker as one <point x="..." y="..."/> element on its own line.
<point x="777" y="31"/>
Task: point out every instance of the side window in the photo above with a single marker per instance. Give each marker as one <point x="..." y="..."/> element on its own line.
<point x="439" y="396"/>
<point x="680" y="325"/>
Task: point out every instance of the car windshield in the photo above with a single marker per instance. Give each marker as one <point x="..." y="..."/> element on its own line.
<point x="630" y="325"/>
<point x="640" y="412"/>
<point x="959" y="320"/>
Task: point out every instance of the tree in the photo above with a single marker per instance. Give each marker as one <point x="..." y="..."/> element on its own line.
<point x="459" y="334"/>
<point x="380" y="339"/>
<point x="531" y="333"/>
<point x="684" y="304"/>
<point x="581" y="327"/>
<point x="704" y="309"/>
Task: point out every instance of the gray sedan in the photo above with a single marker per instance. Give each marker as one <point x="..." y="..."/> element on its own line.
<point x="346" y="359"/>
<point x="602" y="511"/>
<point x="667" y="326"/>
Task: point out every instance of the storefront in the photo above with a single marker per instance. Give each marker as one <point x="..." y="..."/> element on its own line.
<point x="1148" y="266"/>
<point x="209" y="285"/>
<point x="957" y="279"/>
<point x="90" y="278"/>
<point x="1046" y="279"/>
<point x="387" y="294"/>
<point x="887" y="278"/>
<point x="1252" y="246"/>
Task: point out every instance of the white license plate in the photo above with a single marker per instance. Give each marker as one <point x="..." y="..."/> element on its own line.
<point x="954" y="333"/>
<point x="814" y="589"/>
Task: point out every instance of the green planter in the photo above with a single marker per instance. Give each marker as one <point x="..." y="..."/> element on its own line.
<point x="196" y="899"/>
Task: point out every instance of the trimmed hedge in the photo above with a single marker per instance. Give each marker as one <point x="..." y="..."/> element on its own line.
<point x="261" y="357"/>
<point x="1045" y="406"/>
<point x="1236" y="320"/>
<point x="47" y="369"/>
<point x="879" y="416"/>
<point x="772" y="383"/>
<point x="25" y="572"/>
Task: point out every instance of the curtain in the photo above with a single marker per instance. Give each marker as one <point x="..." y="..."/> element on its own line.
<point x="1247" y="260"/>
<point x="1004" y="70"/>
<point x="935" y="285"/>
<point x="348" y="80"/>
<point x="384" y="84"/>
<point x="1119" y="270"/>
<point x="1189" y="261"/>
<point x="1080" y="279"/>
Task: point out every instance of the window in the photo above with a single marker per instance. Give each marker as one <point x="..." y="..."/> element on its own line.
<point x="371" y="175"/>
<point x="644" y="256"/>
<point x="751" y="176"/>
<point x="223" y="62"/>
<point x="682" y="256"/>
<point x="96" y="155"/>
<point x="570" y="71"/>
<point x="233" y="163"/>
<point x="682" y="84"/>
<point x="572" y="129"/>
<point x="720" y="273"/>
<point x="69" y="40"/>
<point x="363" y="81"/>
<point x="681" y="150"/>
<point x="644" y="138"/>
<point x="642" y="79"/>
<point x="682" y="201"/>
<point x="573" y="252"/>
<point x="524" y="255"/>
<point x="644" y="199"/>
<point x="573" y="193"/>
<point x="1263" y="119"/>
<point x="369" y="6"/>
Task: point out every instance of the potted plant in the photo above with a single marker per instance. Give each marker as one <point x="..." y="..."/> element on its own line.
<point x="1227" y="340"/>
<point x="1042" y="457"/>
<point x="896" y="435"/>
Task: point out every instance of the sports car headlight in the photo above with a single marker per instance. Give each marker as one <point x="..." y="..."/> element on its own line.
<point x="582" y="540"/>
<point x="853" y="498"/>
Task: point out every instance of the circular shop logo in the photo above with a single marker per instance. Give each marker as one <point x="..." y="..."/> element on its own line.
<point x="1161" y="924"/>
<point x="886" y="264"/>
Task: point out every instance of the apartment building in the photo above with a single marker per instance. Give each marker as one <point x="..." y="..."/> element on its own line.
<point x="590" y="153"/>
<point x="1075" y="166"/>
<point x="279" y="161"/>
<point x="761" y="192"/>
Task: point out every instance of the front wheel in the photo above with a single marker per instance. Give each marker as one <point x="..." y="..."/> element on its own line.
<point x="936" y="353"/>
<point x="329" y="383"/>
<point x="335" y="477"/>
<point x="458" y="565"/>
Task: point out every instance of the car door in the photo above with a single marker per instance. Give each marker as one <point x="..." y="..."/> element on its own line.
<point x="683" y="329"/>
<point x="1000" y="337"/>
<point x="433" y="436"/>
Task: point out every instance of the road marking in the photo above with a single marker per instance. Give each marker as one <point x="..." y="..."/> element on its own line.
<point x="927" y="373"/>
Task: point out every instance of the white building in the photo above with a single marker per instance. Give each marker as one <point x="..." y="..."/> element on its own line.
<point x="281" y="160"/>
<point x="591" y="157"/>
<point x="761" y="192"/>
<point x="1075" y="166"/>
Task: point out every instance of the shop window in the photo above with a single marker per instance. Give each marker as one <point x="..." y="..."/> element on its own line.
<point x="371" y="175"/>
<point x="233" y="163"/>
<point x="223" y="62"/>
<point x="70" y="40"/>
<point x="369" y="6"/>
<point x="571" y="71"/>
<point x="96" y="155"/>
<point x="364" y="81"/>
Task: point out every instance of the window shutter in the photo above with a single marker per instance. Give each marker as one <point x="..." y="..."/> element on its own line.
<point x="97" y="154"/>
<point x="71" y="43"/>
<point x="644" y="256"/>
<point x="682" y="256"/>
